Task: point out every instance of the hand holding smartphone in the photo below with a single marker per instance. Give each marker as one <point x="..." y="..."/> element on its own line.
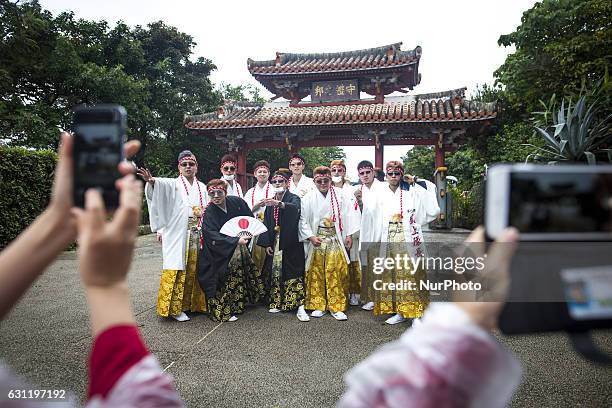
<point x="550" y="203"/>
<point x="99" y="135"/>
<point x="561" y="276"/>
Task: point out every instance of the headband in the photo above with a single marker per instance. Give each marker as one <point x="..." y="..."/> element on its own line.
<point x="319" y="176"/>
<point x="339" y="165"/>
<point x="299" y="158"/>
<point x="229" y="161"/>
<point x="187" y="158"/>
<point x="365" y="167"/>
<point x="213" y="188"/>
<point x="280" y="176"/>
<point x="401" y="170"/>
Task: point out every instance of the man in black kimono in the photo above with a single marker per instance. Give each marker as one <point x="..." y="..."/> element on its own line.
<point x="226" y="271"/>
<point x="284" y="266"/>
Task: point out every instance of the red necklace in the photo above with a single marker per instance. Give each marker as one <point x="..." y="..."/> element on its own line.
<point x="401" y="202"/>
<point x="253" y="194"/>
<point x="195" y="179"/>
<point x="334" y="197"/>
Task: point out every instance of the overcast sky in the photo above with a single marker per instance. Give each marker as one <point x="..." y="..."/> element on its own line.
<point x="459" y="38"/>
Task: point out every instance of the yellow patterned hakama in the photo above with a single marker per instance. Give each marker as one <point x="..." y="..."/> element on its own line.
<point x="327" y="276"/>
<point x="283" y="295"/>
<point x="408" y="303"/>
<point x="354" y="277"/>
<point x="179" y="291"/>
<point x="244" y="284"/>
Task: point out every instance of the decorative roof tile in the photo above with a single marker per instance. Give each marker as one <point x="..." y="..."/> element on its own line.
<point x="234" y="115"/>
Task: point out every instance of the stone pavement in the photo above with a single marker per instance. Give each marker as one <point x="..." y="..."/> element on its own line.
<point x="262" y="360"/>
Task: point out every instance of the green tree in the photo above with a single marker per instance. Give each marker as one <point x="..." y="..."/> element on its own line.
<point x="48" y="65"/>
<point x="559" y="44"/>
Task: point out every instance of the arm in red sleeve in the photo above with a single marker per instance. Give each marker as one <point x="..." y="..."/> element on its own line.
<point x="114" y="352"/>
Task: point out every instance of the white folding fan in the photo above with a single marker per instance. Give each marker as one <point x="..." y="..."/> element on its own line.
<point x="243" y="226"/>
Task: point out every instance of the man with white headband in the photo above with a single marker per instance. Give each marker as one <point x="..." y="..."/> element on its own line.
<point x="400" y="210"/>
<point x="338" y="173"/>
<point x="175" y="206"/>
<point x="299" y="183"/>
<point x="284" y="267"/>
<point x="226" y="272"/>
<point x="229" y="166"/>
<point x="256" y="198"/>
<point x="365" y="194"/>
<point x="326" y="226"/>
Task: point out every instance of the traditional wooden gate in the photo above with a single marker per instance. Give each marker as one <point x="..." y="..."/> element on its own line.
<point x="337" y="115"/>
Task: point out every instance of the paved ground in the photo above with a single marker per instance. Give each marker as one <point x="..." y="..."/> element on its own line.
<point x="262" y="360"/>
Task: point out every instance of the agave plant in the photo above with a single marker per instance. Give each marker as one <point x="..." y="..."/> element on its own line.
<point x="577" y="133"/>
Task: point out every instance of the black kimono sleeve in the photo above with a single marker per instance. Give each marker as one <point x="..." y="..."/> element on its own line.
<point x="216" y="252"/>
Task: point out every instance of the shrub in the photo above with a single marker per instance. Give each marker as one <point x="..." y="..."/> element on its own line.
<point x="26" y="178"/>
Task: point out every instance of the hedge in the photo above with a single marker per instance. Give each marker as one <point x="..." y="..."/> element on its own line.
<point x="26" y="178"/>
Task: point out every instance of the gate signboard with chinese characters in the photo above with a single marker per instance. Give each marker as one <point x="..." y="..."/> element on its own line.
<point x="335" y="91"/>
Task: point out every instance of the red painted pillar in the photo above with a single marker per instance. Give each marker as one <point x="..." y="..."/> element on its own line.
<point x="439" y="155"/>
<point x="242" y="170"/>
<point x="378" y="153"/>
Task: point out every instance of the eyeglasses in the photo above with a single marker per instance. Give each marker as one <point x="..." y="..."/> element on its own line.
<point x="278" y="181"/>
<point x="230" y="168"/>
<point x="365" y="173"/>
<point x="323" y="181"/>
<point x="190" y="164"/>
<point x="394" y="173"/>
<point x="217" y="193"/>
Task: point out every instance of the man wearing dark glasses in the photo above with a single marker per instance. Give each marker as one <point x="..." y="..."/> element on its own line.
<point x="299" y="183"/>
<point x="397" y="215"/>
<point x="175" y="206"/>
<point x="326" y="226"/>
<point x="284" y="266"/>
<point x="338" y="173"/>
<point x="365" y="193"/>
<point x="229" y="166"/>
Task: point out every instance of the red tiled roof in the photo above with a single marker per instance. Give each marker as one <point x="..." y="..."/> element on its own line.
<point x="405" y="110"/>
<point x="373" y="58"/>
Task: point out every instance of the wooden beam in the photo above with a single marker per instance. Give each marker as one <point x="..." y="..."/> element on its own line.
<point x="337" y="142"/>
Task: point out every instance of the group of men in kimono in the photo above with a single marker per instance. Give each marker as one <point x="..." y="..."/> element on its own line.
<point x="323" y="235"/>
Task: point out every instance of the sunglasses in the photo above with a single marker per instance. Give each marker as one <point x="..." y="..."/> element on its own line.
<point x="394" y="173"/>
<point x="217" y="193"/>
<point x="323" y="181"/>
<point x="365" y="173"/>
<point x="186" y="163"/>
<point x="230" y="168"/>
<point x="278" y="181"/>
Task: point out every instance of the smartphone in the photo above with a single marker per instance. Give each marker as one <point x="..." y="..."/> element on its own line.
<point x="99" y="134"/>
<point x="550" y="203"/>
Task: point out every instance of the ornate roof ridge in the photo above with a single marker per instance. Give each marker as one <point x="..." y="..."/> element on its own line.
<point x="284" y="57"/>
<point x="458" y="92"/>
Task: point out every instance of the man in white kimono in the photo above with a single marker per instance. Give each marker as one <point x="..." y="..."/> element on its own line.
<point x="325" y="225"/>
<point x="256" y="198"/>
<point x="401" y="208"/>
<point x="175" y="206"/>
<point x="338" y="173"/>
<point x="229" y="166"/>
<point x="299" y="183"/>
<point x="365" y="194"/>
